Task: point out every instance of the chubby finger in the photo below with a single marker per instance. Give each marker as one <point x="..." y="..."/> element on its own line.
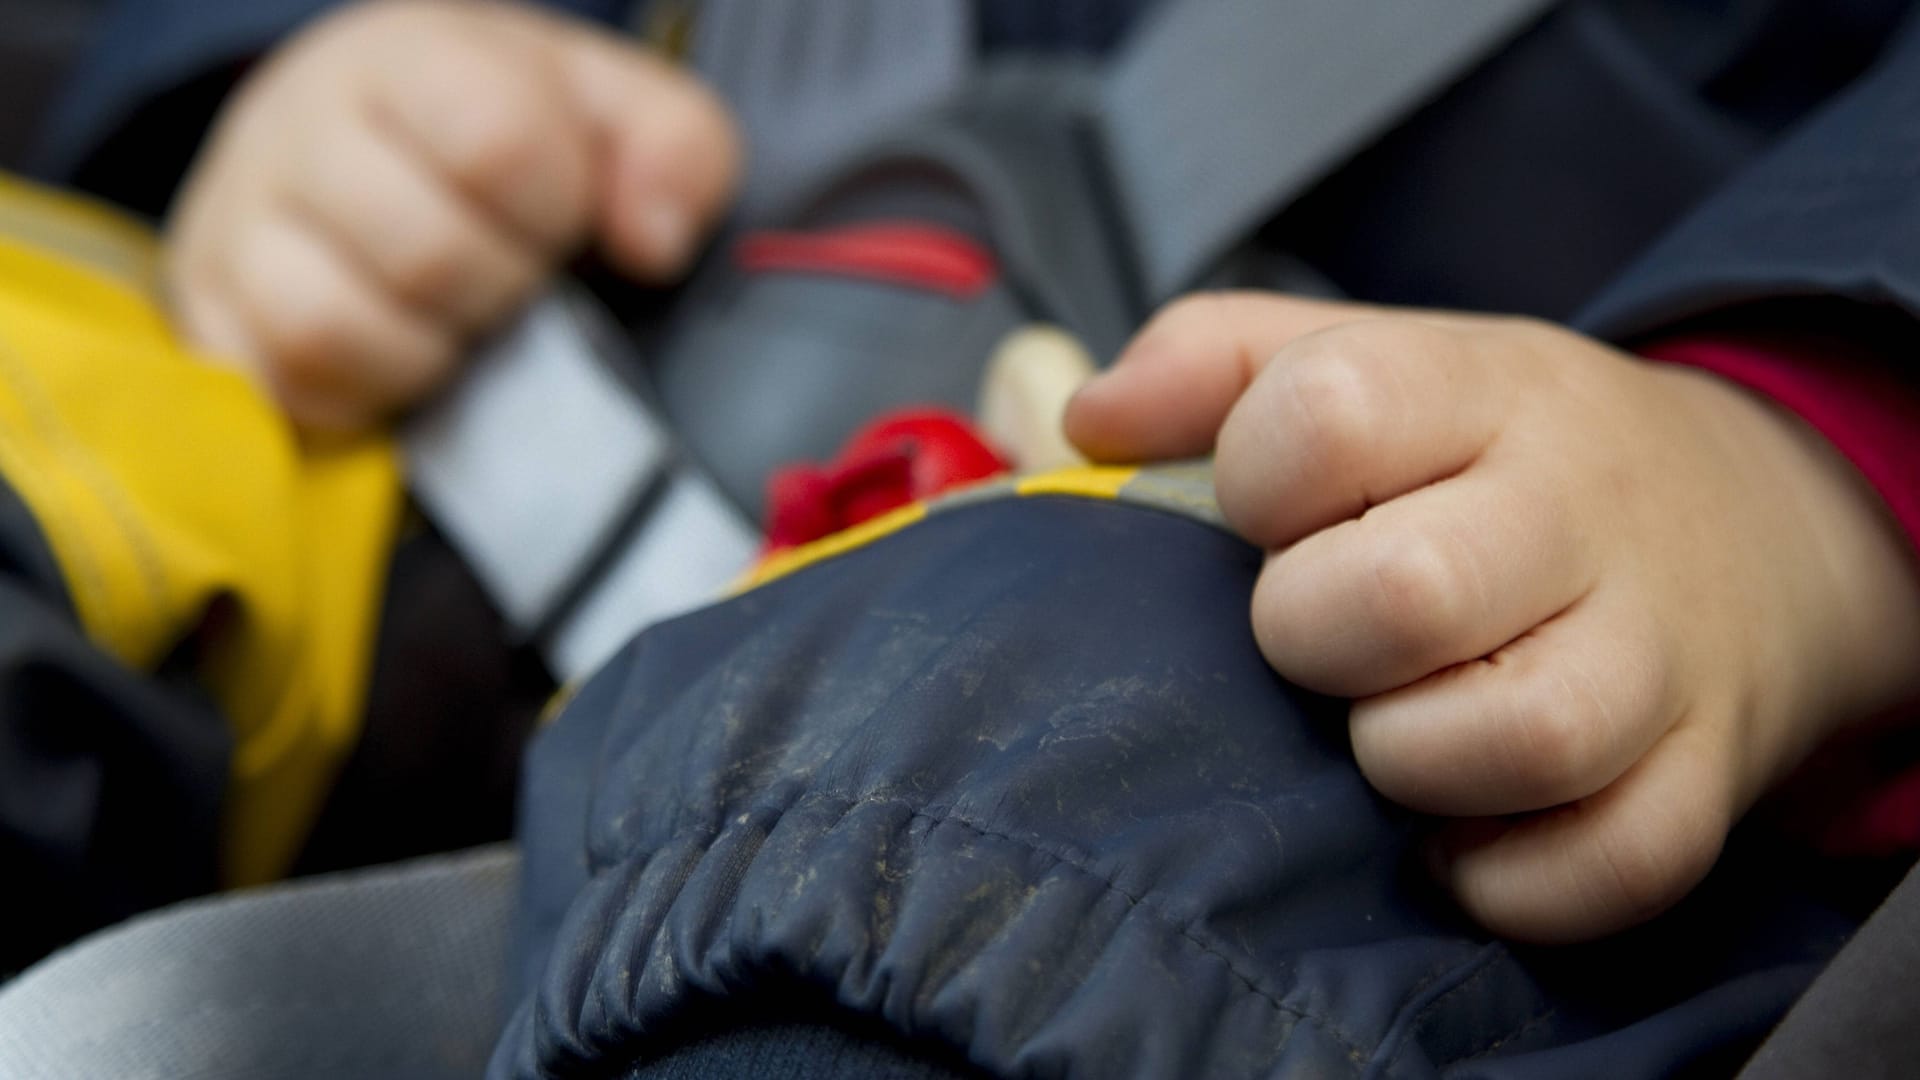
<point x="1168" y="392"/>
<point x="1444" y="575"/>
<point x="493" y="116"/>
<point x="1552" y="718"/>
<point x="336" y="351"/>
<point x="1352" y="416"/>
<point x="1607" y="862"/>
<point x="670" y="153"/>
<point x="415" y="235"/>
<point x="209" y="320"/>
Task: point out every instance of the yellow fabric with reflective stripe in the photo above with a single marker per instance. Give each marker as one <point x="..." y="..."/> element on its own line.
<point x="169" y="489"/>
<point x="782" y="563"/>
<point x="96" y="236"/>
<point x="1092" y="482"/>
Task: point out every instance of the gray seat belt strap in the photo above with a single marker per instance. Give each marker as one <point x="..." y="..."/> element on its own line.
<point x="395" y="973"/>
<point x="562" y="491"/>
<point x="1218" y="112"/>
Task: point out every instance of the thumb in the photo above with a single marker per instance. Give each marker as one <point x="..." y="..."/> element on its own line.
<point x="1173" y="385"/>
<point x="668" y="155"/>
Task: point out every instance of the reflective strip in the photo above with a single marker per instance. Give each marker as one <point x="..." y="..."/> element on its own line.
<point x="533" y="462"/>
<point x="1093" y="481"/>
<point x="82" y="231"/>
<point x="169" y="487"/>
<point x="560" y="489"/>
<point x="1182" y="488"/>
<point x="691" y="545"/>
<point x="794" y="559"/>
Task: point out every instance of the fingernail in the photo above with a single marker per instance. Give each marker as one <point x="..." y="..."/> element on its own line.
<point x="666" y="230"/>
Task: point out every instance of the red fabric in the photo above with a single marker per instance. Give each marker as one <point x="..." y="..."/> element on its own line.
<point x="902" y="457"/>
<point x="1886" y="821"/>
<point x="1868" y="414"/>
<point x="1873" y="418"/>
<point x="914" y="255"/>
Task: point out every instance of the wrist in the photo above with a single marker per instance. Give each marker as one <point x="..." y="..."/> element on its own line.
<point x="1849" y="577"/>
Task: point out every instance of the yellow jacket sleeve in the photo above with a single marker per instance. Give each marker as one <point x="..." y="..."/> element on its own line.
<point x="184" y="513"/>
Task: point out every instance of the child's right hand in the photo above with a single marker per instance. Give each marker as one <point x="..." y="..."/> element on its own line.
<point x="400" y="177"/>
<point x="1588" y="606"/>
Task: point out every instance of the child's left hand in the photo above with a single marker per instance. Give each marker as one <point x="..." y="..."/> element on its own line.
<point x="400" y="177"/>
<point x="1613" y="598"/>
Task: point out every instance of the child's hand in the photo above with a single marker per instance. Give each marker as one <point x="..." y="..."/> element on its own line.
<point x="401" y="176"/>
<point x="1615" y="598"/>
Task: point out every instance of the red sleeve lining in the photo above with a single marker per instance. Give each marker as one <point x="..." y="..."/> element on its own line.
<point x="1855" y="400"/>
<point x="1870" y="415"/>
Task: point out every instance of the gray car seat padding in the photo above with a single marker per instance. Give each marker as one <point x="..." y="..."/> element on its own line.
<point x="394" y="973"/>
<point x="1218" y="112"/>
<point x="1857" y="1019"/>
<point x="811" y="80"/>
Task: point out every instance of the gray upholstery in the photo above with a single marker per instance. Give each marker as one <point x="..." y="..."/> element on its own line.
<point x="392" y="973"/>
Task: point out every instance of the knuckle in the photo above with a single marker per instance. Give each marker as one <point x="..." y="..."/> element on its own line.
<point x="308" y="342"/>
<point x="703" y="123"/>
<point x="431" y="363"/>
<point x="1643" y="871"/>
<point x="432" y="275"/>
<point x="324" y="411"/>
<point x="190" y="278"/>
<point x="487" y="114"/>
<point x="1197" y="309"/>
<point x="1328" y="393"/>
<point x="1573" y="731"/>
<point x="500" y="142"/>
<point x="1246" y="476"/>
<point x="1393" y="758"/>
<point x="1552" y="750"/>
<point x="1416" y="594"/>
<point x="1527" y="327"/>
<point x="1339" y="386"/>
<point x="1177" y="325"/>
<point x="1539" y="348"/>
<point x="1273" y="618"/>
